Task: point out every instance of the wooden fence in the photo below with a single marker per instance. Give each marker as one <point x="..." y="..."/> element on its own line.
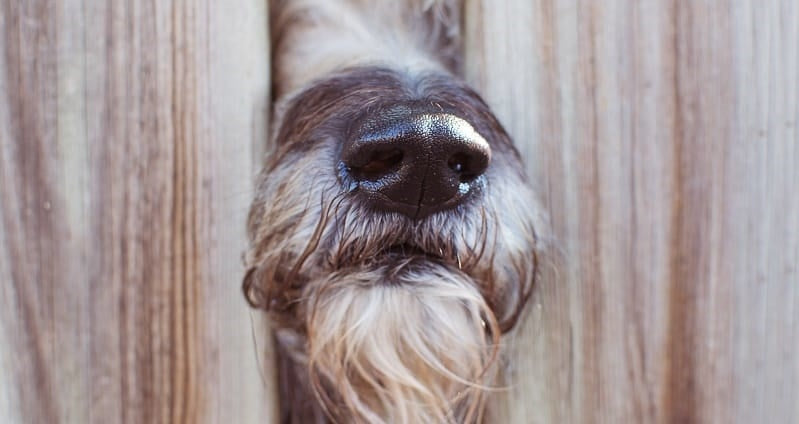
<point x="661" y="135"/>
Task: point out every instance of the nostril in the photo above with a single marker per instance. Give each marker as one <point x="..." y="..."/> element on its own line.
<point x="457" y="163"/>
<point x="466" y="166"/>
<point x="378" y="164"/>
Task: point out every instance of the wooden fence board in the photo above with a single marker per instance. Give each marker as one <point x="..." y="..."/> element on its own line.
<point x="662" y="137"/>
<point x="128" y="131"/>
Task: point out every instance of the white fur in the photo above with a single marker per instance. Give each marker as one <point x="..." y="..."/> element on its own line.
<point x="322" y="36"/>
<point x="385" y="339"/>
<point x="413" y="350"/>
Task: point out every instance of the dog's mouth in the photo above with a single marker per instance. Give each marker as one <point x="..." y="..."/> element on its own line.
<point x="397" y="252"/>
<point x="408" y="250"/>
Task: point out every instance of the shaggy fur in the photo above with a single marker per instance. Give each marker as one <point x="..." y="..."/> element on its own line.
<point x="379" y="317"/>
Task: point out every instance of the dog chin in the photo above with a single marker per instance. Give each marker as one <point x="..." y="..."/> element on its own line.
<point x="409" y="340"/>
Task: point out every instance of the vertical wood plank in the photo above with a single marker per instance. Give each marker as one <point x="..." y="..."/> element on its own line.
<point x="661" y="136"/>
<point x="127" y="131"/>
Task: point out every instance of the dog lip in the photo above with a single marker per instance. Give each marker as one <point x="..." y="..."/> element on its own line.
<point x="408" y="250"/>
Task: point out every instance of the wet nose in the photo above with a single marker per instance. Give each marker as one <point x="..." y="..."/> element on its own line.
<point x="415" y="163"/>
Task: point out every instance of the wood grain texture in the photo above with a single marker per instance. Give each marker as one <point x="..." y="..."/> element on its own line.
<point x="127" y="135"/>
<point x="662" y="138"/>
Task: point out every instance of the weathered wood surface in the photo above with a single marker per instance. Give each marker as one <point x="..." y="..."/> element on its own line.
<point x="663" y="139"/>
<point x="128" y="134"/>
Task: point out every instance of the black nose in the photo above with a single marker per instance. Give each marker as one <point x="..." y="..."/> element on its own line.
<point x="413" y="162"/>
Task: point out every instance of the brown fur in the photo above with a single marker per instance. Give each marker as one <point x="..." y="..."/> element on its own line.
<point x="366" y="331"/>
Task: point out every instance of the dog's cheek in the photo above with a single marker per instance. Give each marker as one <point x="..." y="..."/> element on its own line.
<point x="282" y="224"/>
<point x="516" y="250"/>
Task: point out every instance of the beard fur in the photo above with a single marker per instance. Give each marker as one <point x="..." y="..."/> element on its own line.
<point x="409" y="342"/>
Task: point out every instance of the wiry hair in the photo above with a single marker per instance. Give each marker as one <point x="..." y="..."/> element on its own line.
<point x="380" y="317"/>
<point x="390" y="337"/>
<point x="385" y="353"/>
<point x="317" y="37"/>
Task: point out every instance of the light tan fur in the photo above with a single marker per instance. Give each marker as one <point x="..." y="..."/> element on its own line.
<point x="384" y="339"/>
<point x="317" y="37"/>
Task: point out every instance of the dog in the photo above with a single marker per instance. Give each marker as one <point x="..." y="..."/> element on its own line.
<point x="394" y="234"/>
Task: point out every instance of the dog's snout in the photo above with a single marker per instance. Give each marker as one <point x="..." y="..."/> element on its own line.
<point x="415" y="162"/>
